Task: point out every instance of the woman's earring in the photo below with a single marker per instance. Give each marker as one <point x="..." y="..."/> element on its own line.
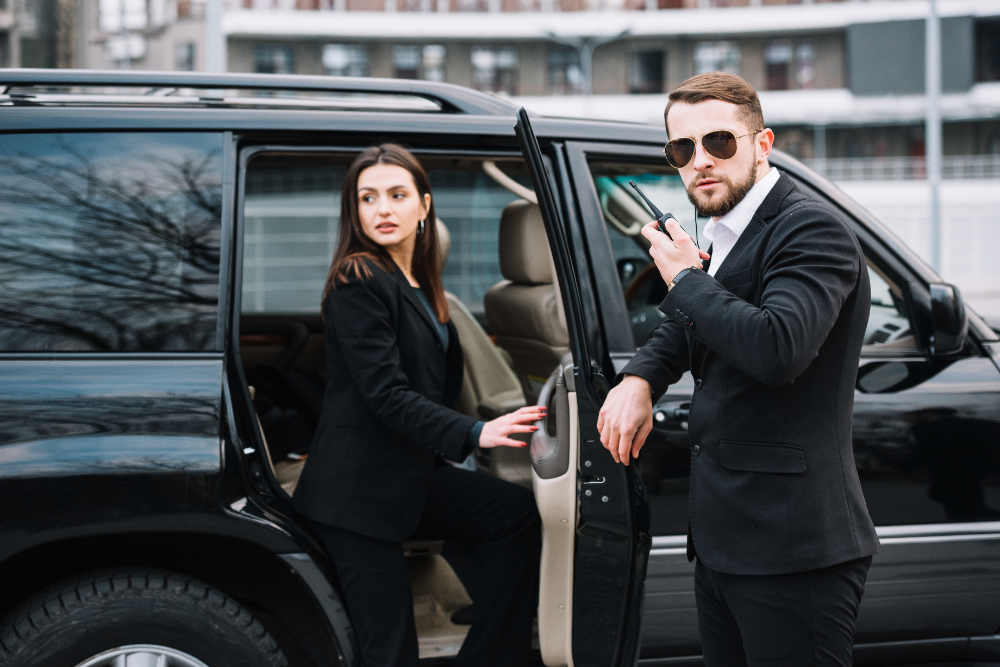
<point x="420" y="227"/>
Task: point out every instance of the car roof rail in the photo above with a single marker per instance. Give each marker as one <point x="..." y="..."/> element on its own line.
<point x="448" y="98"/>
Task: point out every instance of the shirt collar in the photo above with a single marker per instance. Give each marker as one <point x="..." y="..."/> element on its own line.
<point x="737" y="219"/>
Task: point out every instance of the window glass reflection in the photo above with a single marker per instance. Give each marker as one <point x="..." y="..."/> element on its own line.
<point x="109" y="242"/>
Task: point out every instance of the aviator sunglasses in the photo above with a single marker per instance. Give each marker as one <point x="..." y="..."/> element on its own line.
<point x="719" y="144"/>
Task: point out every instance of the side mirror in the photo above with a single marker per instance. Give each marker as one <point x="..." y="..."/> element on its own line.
<point x="949" y="321"/>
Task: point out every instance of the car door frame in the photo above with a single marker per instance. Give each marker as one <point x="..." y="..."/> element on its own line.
<point x="669" y="573"/>
<point x="612" y="535"/>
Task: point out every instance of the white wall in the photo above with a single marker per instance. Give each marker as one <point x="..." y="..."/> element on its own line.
<point x="970" y="222"/>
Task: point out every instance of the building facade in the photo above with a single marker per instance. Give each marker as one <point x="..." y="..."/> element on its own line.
<point x="842" y="80"/>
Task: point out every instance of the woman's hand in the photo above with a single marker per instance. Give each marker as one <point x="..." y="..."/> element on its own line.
<point x="496" y="433"/>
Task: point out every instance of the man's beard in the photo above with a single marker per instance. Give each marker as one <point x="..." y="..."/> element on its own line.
<point x="735" y="192"/>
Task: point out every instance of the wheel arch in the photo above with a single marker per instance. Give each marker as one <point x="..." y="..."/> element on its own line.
<point x="269" y="584"/>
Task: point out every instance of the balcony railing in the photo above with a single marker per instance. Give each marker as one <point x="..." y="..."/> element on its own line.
<point x="906" y="168"/>
<point x="489" y="5"/>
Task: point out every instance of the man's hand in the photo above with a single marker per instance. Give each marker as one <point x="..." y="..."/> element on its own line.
<point x="627" y="416"/>
<point x="672" y="257"/>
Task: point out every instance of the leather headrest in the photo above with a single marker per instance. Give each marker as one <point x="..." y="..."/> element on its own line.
<point x="524" y="249"/>
<point x="444" y="244"/>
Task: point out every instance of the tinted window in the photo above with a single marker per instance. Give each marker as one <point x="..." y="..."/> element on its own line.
<point x="470" y="204"/>
<point x="888" y="325"/>
<point x="109" y="242"/>
<point x="292" y="222"/>
<point x="291" y="217"/>
<point x="625" y="214"/>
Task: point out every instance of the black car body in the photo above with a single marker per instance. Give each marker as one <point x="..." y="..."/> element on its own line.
<point x="160" y="237"/>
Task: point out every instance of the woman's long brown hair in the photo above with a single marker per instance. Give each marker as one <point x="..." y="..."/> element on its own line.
<point x="354" y="246"/>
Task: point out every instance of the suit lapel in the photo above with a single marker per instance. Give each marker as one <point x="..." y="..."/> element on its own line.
<point x="410" y="294"/>
<point x="766" y="212"/>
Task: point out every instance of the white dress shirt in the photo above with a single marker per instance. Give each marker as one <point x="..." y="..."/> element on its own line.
<point x="724" y="232"/>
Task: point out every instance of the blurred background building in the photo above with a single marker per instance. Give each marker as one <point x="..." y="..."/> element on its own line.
<point x="842" y="83"/>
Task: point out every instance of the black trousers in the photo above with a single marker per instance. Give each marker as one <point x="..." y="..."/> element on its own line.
<point x="501" y="520"/>
<point x="804" y="619"/>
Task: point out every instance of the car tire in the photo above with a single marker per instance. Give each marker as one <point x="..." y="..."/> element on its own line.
<point x="163" y="613"/>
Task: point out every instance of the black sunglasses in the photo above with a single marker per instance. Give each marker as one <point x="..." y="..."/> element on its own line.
<point x="719" y="144"/>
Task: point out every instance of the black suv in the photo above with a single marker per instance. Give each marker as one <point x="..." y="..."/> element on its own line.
<point x="164" y="239"/>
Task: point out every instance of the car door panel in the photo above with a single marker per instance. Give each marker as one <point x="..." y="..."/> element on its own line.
<point x="670" y="617"/>
<point x="555" y="451"/>
<point x="669" y="620"/>
<point x="612" y="529"/>
<point x="927" y="445"/>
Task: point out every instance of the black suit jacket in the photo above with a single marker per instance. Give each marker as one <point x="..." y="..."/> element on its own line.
<point x="773" y="342"/>
<point x="386" y="418"/>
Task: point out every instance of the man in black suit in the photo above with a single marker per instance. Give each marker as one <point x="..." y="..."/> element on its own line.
<point x="770" y="326"/>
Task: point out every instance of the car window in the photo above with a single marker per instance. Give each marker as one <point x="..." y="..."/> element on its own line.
<point x="110" y="242"/>
<point x="889" y="326"/>
<point x="292" y="221"/>
<point x="625" y="214"/>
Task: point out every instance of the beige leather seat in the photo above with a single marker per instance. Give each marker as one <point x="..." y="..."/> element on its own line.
<point x="490" y="388"/>
<point x="525" y="310"/>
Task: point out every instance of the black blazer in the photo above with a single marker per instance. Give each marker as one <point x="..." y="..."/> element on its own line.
<point x="773" y="343"/>
<point x="386" y="418"/>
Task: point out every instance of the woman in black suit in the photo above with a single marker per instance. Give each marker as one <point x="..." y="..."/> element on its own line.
<point x="377" y="472"/>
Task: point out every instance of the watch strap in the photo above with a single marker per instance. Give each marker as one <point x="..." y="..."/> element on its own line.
<point x="680" y="274"/>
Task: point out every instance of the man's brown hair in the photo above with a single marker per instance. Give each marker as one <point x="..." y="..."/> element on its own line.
<point x="719" y="86"/>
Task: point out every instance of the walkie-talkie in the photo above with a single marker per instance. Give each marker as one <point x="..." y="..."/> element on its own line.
<point x="661" y="218"/>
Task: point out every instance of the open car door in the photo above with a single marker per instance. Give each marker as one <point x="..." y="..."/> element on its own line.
<point x="595" y="513"/>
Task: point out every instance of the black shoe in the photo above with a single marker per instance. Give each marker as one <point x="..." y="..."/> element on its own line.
<point x="463" y="616"/>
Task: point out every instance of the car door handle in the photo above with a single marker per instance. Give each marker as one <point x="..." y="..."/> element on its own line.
<point x="550" y="453"/>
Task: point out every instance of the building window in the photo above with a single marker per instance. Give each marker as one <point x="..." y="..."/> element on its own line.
<point x="345" y="59"/>
<point x="494" y="70"/>
<point x="647" y="71"/>
<point x="805" y="66"/>
<point x="406" y="62"/>
<point x="114" y="15"/>
<point x="268" y="59"/>
<point x="184" y="57"/>
<point x="988" y="51"/>
<point x="789" y="65"/>
<point x="564" y="75"/>
<point x="717" y="57"/>
<point x="419" y="62"/>
<point x="432" y="60"/>
<point x="4" y="49"/>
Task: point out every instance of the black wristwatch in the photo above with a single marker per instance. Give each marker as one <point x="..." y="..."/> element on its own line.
<point x="680" y="274"/>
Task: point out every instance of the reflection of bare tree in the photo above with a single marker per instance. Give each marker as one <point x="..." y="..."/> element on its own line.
<point x="109" y="256"/>
<point x="28" y="421"/>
